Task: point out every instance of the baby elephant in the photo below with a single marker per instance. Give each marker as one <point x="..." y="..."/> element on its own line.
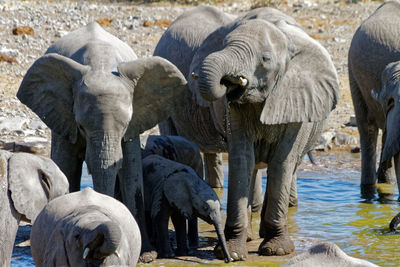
<point x="27" y="183"/>
<point x="174" y="190"/>
<point x="85" y="228"/>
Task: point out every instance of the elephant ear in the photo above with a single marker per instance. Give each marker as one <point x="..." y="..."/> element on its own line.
<point x="309" y="90"/>
<point x="47" y="89"/>
<point x="33" y="181"/>
<point x="159" y="88"/>
<point x="182" y="201"/>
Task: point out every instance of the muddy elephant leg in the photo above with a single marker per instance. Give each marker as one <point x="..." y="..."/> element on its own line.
<point x="69" y="158"/>
<point x="179" y="222"/>
<point x="161" y="227"/>
<point x="213" y="169"/>
<point x="293" y="192"/>
<point x="368" y="136"/>
<point x="274" y="223"/>
<point x="131" y="188"/>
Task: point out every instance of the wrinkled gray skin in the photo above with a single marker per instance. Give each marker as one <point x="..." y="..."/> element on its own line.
<point x="96" y="98"/>
<point x="276" y="87"/>
<point x="85" y="228"/>
<point x="327" y="255"/>
<point x="27" y="183"/>
<point x="374" y="46"/>
<point x="179" y="149"/>
<point x="175" y="190"/>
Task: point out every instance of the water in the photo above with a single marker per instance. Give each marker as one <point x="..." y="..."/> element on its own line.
<point x="330" y="208"/>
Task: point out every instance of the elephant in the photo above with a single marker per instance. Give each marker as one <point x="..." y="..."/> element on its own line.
<point x="85" y="228"/>
<point x="179" y="149"/>
<point x="96" y="98"/>
<point x="373" y="49"/>
<point x="174" y="190"/>
<point x="27" y="183"/>
<point x="262" y="89"/>
<point x="328" y="255"/>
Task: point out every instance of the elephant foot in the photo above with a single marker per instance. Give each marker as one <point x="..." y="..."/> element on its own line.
<point x="148" y="256"/>
<point x="181" y="251"/>
<point x="166" y="254"/>
<point x="293" y="202"/>
<point x="278" y="245"/>
<point x="236" y="245"/>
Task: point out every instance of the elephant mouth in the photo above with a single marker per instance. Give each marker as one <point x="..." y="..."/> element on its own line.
<point x="236" y="87"/>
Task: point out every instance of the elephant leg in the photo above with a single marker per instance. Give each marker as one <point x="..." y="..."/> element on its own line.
<point x="386" y="172"/>
<point x="179" y="222"/>
<point x="131" y="188"/>
<point x="368" y="135"/>
<point x="274" y="228"/>
<point x="69" y="158"/>
<point x="213" y="168"/>
<point x="193" y="233"/>
<point x="241" y="165"/>
<point x="161" y="227"/>
<point x="255" y="195"/>
<point x="293" y="192"/>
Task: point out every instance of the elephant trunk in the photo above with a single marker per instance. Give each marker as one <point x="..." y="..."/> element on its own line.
<point x="219" y="76"/>
<point x="216" y="219"/>
<point x="102" y="241"/>
<point x="391" y="146"/>
<point x="104" y="159"/>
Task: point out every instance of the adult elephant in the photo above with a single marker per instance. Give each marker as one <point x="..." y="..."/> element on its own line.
<point x="97" y="98"/>
<point x="85" y="228"/>
<point x="374" y="47"/>
<point x="270" y="88"/>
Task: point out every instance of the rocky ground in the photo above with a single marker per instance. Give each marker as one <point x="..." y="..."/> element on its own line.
<point x="27" y="28"/>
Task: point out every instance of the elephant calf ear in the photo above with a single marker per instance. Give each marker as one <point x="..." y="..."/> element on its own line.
<point x="33" y="181"/>
<point x="47" y="90"/>
<point x="309" y="89"/>
<point x="159" y="87"/>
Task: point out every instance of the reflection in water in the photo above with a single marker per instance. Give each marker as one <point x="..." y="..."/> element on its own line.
<point x="331" y="208"/>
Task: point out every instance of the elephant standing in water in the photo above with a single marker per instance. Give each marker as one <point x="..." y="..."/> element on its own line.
<point x="270" y="88"/>
<point x="97" y="98"/>
<point x="374" y="65"/>
<point x="85" y="228"/>
<point x="27" y="182"/>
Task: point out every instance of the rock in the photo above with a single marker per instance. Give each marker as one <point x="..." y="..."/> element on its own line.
<point x="9" y="52"/>
<point x="13" y="123"/>
<point x="6" y="58"/>
<point x="23" y="30"/>
<point x="324" y="140"/>
<point x="61" y="33"/>
<point x="106" y="22"/>
<point x="342" y="139"/>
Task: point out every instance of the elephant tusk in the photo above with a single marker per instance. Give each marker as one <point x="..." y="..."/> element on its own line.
<point x="117" y="254"/>
<point x="85" y="253"/>
<point x="375" y="95"/>
<point x="195" y="76"/>
<point x="243" y="81"/>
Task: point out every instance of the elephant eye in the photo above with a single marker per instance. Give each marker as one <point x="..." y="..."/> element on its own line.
<point x="45" y="182"/>
<point x="266" y="57"/>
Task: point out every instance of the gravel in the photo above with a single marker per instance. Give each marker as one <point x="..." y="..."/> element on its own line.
<point x="330" y="22"/>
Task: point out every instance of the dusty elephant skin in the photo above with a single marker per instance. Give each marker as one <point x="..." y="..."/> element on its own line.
<point x="27" y="183"/>
<point x="97" y="98"/>
<point x="275" y="85"/>
<point x="374" y="82"/>
<point x="328" y="255"/>
<point x="179" y="149"/>
<point x="175" y="190"/>
<point x="85" y="228"/>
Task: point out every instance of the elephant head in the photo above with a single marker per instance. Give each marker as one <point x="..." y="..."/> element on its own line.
<point x="85" y="228"/>
<point x="33" y="182"/>
<point x="101" y="108"/>
<point x="265" y="59"/>
<point x="389" y="97"/>
<point x="196" y="198"/>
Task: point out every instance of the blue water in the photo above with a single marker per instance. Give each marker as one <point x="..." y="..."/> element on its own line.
<point x="330" y="208"/>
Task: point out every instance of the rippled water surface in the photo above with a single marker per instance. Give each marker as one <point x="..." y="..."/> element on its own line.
<point x="330" y="208"/>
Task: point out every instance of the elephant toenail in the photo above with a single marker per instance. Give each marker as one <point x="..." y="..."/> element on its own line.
<point x="235" y="256"/>
<point x="280" y="252"/>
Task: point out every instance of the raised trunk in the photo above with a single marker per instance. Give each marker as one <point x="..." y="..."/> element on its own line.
<point x="104" y="159"/>
<point x="102" y="242"/>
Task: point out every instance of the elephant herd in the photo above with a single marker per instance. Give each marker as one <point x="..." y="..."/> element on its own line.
<point x="255" y="86"/>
